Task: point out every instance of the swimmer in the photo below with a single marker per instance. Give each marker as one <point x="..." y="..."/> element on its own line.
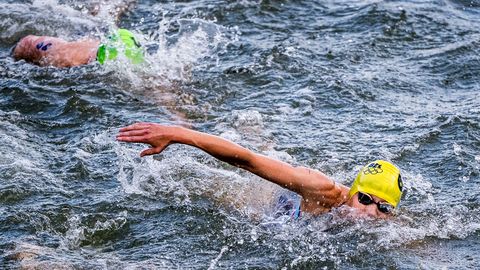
<point x="52" y="51"/>
<point x="375" y="192"/>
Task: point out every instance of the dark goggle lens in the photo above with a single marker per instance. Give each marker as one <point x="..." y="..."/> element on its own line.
<point x="365" y="199"/>
<point x="385" y="208"/>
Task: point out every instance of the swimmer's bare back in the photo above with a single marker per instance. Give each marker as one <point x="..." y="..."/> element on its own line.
<point x="52" y="51"/>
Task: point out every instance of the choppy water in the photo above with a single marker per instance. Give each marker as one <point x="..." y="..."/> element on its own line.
<point x="325" y="84"/>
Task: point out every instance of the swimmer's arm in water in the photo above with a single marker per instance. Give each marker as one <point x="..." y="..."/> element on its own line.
<point x="314" y="186"/>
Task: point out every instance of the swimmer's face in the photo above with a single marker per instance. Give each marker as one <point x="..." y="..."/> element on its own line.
<point x="371" y="209"/>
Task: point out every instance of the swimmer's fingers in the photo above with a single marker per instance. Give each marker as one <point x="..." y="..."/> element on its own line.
<point x="153" y="150"/>
<point x="138" y="132"/>
<point x="136" y="126"/>
<point x="158" y="136"/>
<point x="134" y="139"/>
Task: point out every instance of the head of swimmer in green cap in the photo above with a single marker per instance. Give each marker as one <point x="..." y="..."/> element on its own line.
<point x="377" y="189"/>
<point x="122" y="40"/>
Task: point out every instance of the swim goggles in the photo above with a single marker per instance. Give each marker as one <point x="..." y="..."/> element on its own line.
<point x="383" y="207"/>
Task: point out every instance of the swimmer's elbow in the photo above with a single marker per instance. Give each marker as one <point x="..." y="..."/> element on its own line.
<point x="244" y="160"/>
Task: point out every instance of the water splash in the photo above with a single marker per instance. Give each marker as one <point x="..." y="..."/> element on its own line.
<point x="171" y="60"/>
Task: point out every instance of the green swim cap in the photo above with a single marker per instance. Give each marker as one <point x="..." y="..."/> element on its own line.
<point x="380" y="178"/>
<point x="125" y="40"/>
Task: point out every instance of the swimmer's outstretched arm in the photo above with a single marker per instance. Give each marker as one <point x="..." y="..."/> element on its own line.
<point x="311" y="184"/>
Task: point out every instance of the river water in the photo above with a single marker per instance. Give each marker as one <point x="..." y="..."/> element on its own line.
<point x="325" y="84"/>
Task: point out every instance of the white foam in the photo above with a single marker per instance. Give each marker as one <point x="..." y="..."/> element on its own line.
<point x="24" y="156"/>
<point x="175" y="58"/>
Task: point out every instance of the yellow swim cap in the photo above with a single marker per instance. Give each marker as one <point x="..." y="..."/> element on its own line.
<point x="380" y="178"/>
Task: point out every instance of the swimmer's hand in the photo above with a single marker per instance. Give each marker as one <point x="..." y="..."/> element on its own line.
<point x="157" y="136"/>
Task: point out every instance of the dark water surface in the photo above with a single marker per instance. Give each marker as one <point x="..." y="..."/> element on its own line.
<point x="326" y="84"/>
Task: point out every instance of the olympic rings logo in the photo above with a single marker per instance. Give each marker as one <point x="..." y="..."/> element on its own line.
<point x="373" y="169"/>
